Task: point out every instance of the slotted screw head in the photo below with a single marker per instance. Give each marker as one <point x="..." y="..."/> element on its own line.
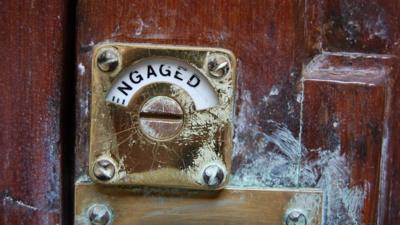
<point x="218" y="65"/>
<point x="99" y="215"/>
<point x="161" y="117"/>
<point x="104" y="169"/>
<point x="107" y="59"/>
<point x="213" y="175"/>
<point x="296" y="217"/>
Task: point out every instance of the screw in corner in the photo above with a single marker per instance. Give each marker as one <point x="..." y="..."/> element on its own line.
<point x="213" y="176"/>
<point x="296" y="217"/>
<point x="99" y="214"/>
<point x="108" y="59"/>
<point x="218" y="65"/>
<point x="104" y="170"/>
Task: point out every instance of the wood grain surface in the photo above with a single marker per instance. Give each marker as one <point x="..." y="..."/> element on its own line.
<point x="344" y="121"/>
<point x="33" y="54"/>
<point x="370" y="27"/>
<point x="293" y="128"/>
<point x="291" y="131"/>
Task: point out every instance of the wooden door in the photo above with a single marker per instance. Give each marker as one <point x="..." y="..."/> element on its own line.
<point x="316" y="107"/>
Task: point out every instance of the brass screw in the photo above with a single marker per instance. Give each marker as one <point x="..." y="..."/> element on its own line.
<point x="104" y="169"/>
<point x="107" y="59"/>
<point x="296" y="217"/>
<point x="218" y="65"/>
<point x="213" y="176"/>
<point x="99" y="215"/>
<point x="161" y="117"/>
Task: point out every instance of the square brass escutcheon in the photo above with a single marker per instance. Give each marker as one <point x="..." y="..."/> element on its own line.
<point x="161" y="115"/>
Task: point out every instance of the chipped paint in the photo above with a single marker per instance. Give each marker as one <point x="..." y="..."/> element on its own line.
<point x="140" y="26"/>
<point x="81" y="69"/>
<point x="271" y="157"/>
<point x="343" y="204"/>
<point x="277" y="167"/>
<point x="368" y="73"/>
<point x="52" y="138"/>
<point x="275" y="90"/>
<point x="7" y="199"/>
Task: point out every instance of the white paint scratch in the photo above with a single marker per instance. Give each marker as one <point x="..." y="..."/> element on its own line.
<point x="83" y="179"/>
<point x="140" y="27"/>
<point x="299" y="98"/>
<point x="331" y="172"/>
<point x="8" y="199"/>
<point x="276" y="167"/>
<point x="274" y="91"/>
<point x="270" y="156"/>
<point x="84" y="103"/>
<point x="81" y="69"/>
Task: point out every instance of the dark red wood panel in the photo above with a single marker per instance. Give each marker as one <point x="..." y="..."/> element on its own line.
<point x="391" y="204"/>
<point x="33" y="54"/>
<point x="367" y="26"/>
<point x="373" y="27"/>
<point x="344" y="124"/>
<point x="284" y="132"/>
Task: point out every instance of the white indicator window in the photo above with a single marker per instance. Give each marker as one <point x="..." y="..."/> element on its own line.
<point x="163" y="70"/>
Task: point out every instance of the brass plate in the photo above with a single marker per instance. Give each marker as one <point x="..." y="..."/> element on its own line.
<point x="205" y="136"/>
<point x="173" y="207"/>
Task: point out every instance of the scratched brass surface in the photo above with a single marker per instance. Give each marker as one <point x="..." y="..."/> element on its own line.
<point x="173" y="207"/>
<point x="206" y="135"/>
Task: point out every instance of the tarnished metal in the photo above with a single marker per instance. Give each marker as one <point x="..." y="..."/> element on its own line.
<point x="161" y="118"/>
<point x="104" y="169"/>
<point x="218" y="65"/>
<point x="151" y="146"/>
<point x="99" y="214"/>
<point x="135" y="206"/>
<point x="107" y="59"/>
<point x="296" y="217"/>
<point x="214" y="175"/>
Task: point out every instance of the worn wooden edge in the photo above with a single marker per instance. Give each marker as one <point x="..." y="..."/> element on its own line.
<point x="346" y="99"/>
<point x="36" y="110"/>
<point x="349" y="67"/>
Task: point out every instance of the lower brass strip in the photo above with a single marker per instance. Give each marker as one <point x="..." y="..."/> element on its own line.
<point x="231" y="206"/>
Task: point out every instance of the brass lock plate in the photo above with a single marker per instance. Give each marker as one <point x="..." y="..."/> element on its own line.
<point x="161" y="115"/>
<point x="121" y="206"/>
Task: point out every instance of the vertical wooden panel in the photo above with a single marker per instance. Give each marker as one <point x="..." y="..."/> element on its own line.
<point x="32" y="43"/>
<point x="344" y="122"/>
<point x="391" y="204"/>
<point x="366" y="26"/>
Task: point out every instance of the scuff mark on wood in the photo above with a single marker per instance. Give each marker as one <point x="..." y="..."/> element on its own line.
<point x="275" y="160"/>
<point x="7" y="199"/>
